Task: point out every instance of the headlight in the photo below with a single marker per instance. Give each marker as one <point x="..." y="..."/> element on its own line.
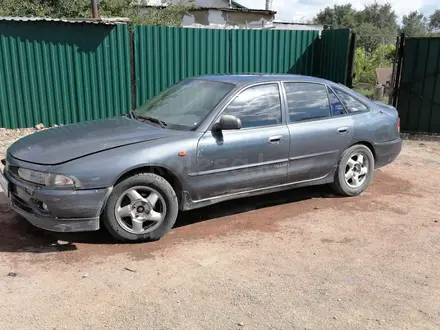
<point x="46" y="179"/>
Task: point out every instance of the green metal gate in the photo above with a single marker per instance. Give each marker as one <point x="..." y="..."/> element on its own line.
<point x="418" y="96"/>
<point x="334" y="61"/>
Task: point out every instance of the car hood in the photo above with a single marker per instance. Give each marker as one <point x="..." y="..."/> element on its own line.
<point x="61" y="144"/>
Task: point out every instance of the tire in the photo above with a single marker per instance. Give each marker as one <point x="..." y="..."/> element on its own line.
<point x="349" y="160"/>
<point x="141" y="208"/>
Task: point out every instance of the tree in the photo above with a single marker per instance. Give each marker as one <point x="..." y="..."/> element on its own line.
<point x="376" y="24"/>
<point x="369" y="37"/>
<point x="337" y="17"/>
<point x="434" y="21"/>
<point x="414" y="24"/>
<point x="365" y="64"/>
<point x="381" y="16"/>
<point x="169" y="15"/>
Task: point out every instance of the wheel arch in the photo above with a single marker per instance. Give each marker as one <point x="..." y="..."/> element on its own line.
<point x="172" y="178"/>
<point x="368" y="144"/>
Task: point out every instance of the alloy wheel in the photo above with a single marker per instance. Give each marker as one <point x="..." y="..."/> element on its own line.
<point x="140" y="210"/>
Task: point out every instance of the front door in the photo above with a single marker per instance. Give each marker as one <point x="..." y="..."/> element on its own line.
<point x="250" y="158"/>
<point x="320" y="129"/>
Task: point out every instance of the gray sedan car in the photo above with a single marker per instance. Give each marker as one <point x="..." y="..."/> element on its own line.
<point x="200" y="142"/>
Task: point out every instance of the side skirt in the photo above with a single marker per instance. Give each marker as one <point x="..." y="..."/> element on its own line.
<point x="189" y="204"/>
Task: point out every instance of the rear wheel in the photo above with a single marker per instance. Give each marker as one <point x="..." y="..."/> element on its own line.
<point x="355" y="171"/>
<point x="141" y="208"/>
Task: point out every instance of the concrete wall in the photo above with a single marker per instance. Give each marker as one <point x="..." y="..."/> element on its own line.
<point x="297" y="26"/>
<point x="201" y="3"/>
<point x="213" y="18"/>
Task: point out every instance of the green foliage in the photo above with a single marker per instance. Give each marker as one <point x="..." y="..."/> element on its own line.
<point x="434" y="21"/>
<point x="170" y="15"/>
<point x="376" y="24"/>
<point x="381" y="16"/>
<point x="369" y="36"/>
<point x="337" y="17"/>
<point x="365" y="64"/>
<point x="414" y="24"/>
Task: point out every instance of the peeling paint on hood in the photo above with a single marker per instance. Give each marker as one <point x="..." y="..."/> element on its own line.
<point x="61" y="144"/>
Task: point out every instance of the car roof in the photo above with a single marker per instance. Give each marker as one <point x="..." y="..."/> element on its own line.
<point x="245" y="79"/>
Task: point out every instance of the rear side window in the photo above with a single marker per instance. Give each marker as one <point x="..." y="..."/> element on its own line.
<point x="307" y="101"/>
<point x="335" y="105"/>
<point x="257" y="106"/>
<point x="351" y="104"/>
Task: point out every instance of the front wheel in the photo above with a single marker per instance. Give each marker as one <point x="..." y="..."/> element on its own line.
<point x="141" y="208"/>
<point x="355" y="171"/>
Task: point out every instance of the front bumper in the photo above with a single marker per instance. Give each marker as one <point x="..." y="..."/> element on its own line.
<point x="68" y="210"/>
<point x="387" y="152"/>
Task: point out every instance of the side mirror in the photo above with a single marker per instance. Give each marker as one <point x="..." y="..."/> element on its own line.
<point x="228" y="122"/>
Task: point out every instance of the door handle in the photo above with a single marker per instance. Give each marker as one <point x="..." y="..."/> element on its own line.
<point x="276" y="139"/>
<point x="343" y="130"/>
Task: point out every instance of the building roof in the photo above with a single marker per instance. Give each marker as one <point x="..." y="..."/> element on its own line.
<point x="238" y="5"/>
<point x="106" y="21"/>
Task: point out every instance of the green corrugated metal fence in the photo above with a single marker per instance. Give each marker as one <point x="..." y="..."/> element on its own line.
<point x="59" y="73"/>
<point x="273" y="51"/>
<point x="165" y="55"/>
<point x="335" y="45"/>
<point x="418" y="99"/>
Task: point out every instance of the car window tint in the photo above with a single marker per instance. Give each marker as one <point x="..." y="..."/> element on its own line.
<point x="335" y="105"/>
<point x="307" y="101"/>
<point x="257" y="106"/>
<point x="351" y="104"/>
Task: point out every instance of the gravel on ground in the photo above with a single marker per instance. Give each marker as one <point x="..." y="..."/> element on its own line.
<point x="300" y="259"/>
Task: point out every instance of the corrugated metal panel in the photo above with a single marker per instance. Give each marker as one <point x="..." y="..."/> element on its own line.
<point x="277" y="51"/>
<point x="419" y="92"/>
<point x="165" y="55"/>
<point x="59" y="73"/>
<point x="335" y="46"/>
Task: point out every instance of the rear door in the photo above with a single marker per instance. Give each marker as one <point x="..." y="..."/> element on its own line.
<point x="319" y="127"/>
<point x="253" y="157"/>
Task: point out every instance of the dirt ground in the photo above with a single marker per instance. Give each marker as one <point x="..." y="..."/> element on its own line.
<point x="302" y="259"/>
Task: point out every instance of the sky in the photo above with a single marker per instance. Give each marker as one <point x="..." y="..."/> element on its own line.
<point x="304" y="10"/>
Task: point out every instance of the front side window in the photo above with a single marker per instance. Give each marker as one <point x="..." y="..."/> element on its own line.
<point x="257" y="106"/>
<point x="186" y="104"/>
<point x="307" y="101"/>
<point x="351" y="104"/>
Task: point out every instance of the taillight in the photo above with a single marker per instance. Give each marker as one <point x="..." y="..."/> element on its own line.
<point x="398" y="126"/>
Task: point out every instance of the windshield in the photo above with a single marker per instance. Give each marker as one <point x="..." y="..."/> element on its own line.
<point x="186" y="104"/>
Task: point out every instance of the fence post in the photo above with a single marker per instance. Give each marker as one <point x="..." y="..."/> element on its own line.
<point x="399" y="60"/>
<point x="350" y="61"/>
<point x="131" y="33"/>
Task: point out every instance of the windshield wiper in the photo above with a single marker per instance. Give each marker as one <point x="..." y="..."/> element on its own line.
<point x="161" y="123"/>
